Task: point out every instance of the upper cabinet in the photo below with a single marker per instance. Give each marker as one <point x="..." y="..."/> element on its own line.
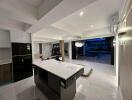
<point x="20" y="37"/>
<point x="5" y="39"/>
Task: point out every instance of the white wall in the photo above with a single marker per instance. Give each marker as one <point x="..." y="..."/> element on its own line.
<point x="20" y="37"/>
<point x="116" y="58"/>
<point x="35" y="48"/>
<point x="70" y="50"/>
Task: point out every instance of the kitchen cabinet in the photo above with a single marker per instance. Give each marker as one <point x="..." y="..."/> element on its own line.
<point x="5" y="73"/>
<point x="5" y="39"/>
<point x="22" y="67"/>
<point x="53" y="83"/>
<point x="20" y="37"/>
<point x="22" y="61"/>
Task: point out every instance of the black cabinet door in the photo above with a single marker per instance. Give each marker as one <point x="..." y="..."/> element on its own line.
<point x="21" y="49"/>
<point x="22" y="67"/>
<point x="27" y="63"/>
<point x="17" y="63"/>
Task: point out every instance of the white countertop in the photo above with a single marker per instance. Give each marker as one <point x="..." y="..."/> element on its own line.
<point x="5" y="61"/>
<point x="62" y="69"/>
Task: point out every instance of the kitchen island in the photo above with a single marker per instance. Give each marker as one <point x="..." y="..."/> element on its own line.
<point x="56" y="79"/>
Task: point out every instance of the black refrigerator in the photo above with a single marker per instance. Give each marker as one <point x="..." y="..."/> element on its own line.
<point x="22" y="61"/>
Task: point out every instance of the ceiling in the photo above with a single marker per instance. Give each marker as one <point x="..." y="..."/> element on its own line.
<point x="57" y="19"/>
<point x="35" y="3"/>
<point x="96" y="18"/>
<point x="21" y="15"/>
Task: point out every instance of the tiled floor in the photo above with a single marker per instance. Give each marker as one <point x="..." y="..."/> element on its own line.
<point x="104" y="58"/>
<point x="99" y="86"/>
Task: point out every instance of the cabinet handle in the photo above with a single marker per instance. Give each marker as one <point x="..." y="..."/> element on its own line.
<point x="62" y="84"/>
<point x="22" y="60"/>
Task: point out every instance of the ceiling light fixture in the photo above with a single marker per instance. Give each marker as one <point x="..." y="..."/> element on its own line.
<point x="81" y="13"/>
<point x="79" y="44"/>
<point x="91" y="26"/>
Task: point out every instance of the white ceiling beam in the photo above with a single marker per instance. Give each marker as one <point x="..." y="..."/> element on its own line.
<point x="66" y="31"/>
<point x="63" y="9"/>
<point x="97" y="32"/>
<point x="48" y="37"/>
<point x="18" y="10"/>
<point x="53" y="31"/>
<point x="38" y="39"/>
<point x="44" y="41"/>
<point x="61" y="32"/>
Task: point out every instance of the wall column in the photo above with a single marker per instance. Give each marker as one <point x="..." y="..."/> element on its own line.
<point x="70" y="50"/>
<point x="116" y="57"/>
<point x="62" y="50"/>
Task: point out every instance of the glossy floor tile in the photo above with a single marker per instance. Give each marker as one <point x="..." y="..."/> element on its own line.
<point x="99" y="86"/>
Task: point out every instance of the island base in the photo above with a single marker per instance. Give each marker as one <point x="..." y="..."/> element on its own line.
<point x="52" y="86"/>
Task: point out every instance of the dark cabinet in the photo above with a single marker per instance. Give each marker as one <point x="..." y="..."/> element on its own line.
<point x="21" y="49"/>
<point x="22" y="61"/>
<point x="5" y="73"/>
<point x="22" y="67"/>
<point x="55" y="87"/>
<point x="73" y="50"/>
<point x="1" y="75"/>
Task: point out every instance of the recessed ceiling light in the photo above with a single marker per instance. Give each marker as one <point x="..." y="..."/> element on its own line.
<point x="91" y="26"/>
<point x="125" y="20"/>
<point x="81" y="13"/>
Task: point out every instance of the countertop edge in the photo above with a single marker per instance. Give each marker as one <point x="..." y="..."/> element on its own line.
<point x="6" y="61"/>
<point x="58" y="75"/>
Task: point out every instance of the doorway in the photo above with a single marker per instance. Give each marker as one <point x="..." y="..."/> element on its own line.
<point x="100" y="50"/>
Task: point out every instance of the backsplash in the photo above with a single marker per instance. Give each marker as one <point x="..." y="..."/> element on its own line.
<point x="5" y="53"/>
